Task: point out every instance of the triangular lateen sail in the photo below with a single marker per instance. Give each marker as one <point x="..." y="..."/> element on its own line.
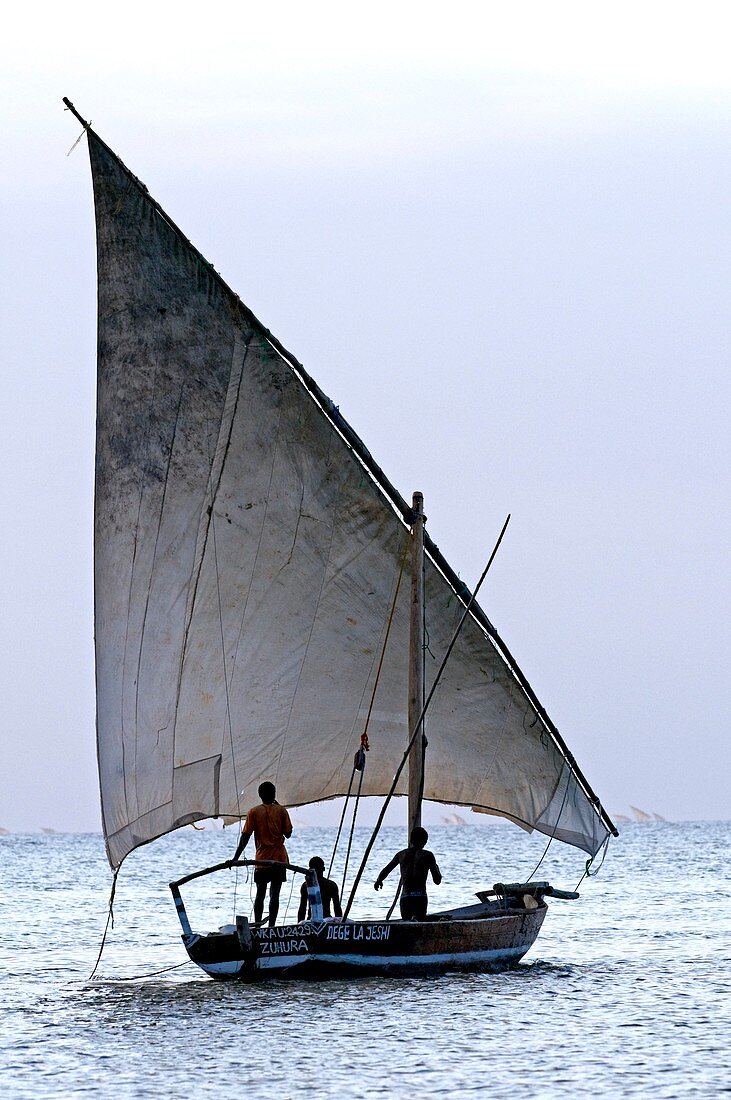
<point x="245" y="569"/>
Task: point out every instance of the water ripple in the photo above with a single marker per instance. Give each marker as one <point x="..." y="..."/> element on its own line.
<point x="626" y="994"/>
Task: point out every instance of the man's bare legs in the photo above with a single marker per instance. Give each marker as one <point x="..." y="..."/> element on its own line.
<point x="261" y="890"/>
<point x="274" y="888"/>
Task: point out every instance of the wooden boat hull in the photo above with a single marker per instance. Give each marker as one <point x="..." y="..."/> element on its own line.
<point x="333" y="949"/>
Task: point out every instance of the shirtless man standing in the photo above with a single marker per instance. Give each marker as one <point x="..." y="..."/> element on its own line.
<point x="416" y="863"/>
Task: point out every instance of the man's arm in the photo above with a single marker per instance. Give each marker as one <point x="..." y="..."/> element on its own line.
<point x="337" y="911"/>
<point x="436" y="874"/>
<point x="286" y="825"/>
<point x="377" y="885"/>
<point x="241" y="845"/>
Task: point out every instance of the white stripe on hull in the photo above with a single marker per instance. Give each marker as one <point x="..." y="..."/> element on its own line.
<point x="456" y="958"/>
<point x="372" y="962"/>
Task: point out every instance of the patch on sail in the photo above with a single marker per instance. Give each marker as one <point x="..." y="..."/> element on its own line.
<point x="196" y="784"/>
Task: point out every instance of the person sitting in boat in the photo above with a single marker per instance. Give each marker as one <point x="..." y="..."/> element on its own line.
<point x="328" y="892"/>
<point x="270" y="826"/>
<point x="416" y="863"/>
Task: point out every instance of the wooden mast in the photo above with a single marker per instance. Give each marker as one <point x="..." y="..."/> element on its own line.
<point x="416" y="663"/>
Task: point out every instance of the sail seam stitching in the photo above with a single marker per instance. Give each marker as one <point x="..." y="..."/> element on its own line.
<point x="211" y="496"/>
<point x="311" y="632"/>
<point x="275" y="452"/>
<point x="152" y="571"/>
<point x="383" y="633"/>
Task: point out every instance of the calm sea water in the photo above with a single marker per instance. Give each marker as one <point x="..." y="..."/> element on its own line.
<point x="626" y="993"/>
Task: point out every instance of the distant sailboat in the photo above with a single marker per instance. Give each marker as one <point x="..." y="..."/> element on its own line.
<point x="48" y="832"/>
<point x="622" y="819"/>
<point x="658" y="817"/>
<point x="453" y="819"/>
<point x="4" y="832"/>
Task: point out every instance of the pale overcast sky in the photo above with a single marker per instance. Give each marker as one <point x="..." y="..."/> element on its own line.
<point x="498" y="237"/>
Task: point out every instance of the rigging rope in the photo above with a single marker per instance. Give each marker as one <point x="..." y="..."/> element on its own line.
<point x="225" y="673"/>
<point x="603" y="848"/>
<point x="223" y="659"/>
<point x="364" y="736"/>
<point x="87" y="126"/>
<point x="342" y="819"/>
<point x="419" y="724"/>
<point x="358" y="765"/>
<point x="151" y="974"/>
<point x="385" y="640"/>
<point x="588" y="873"/>
<point x="289" y="900"/>
<point x="225" y="680"/>
<point x="110" y="920"/>
<point x="395" y="899"/>
<point x="555" y="827"/>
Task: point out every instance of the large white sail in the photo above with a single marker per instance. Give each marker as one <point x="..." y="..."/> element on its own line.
<point x="246" y="564"/>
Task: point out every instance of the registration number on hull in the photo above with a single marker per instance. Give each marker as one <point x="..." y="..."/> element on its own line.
<point x="289" y="941"/>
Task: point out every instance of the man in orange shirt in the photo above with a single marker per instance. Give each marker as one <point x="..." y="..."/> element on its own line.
<point x="270" y="826"/>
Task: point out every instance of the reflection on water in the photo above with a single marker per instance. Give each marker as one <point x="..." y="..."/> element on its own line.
<point x="626" y="993"/>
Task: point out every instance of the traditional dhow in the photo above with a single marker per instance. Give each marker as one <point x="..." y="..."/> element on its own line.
<point x="251" y="622"/>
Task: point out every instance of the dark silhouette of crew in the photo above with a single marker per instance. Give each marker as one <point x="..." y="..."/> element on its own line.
<point x="328" y="892"/>
<point x="415" y="863"/>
